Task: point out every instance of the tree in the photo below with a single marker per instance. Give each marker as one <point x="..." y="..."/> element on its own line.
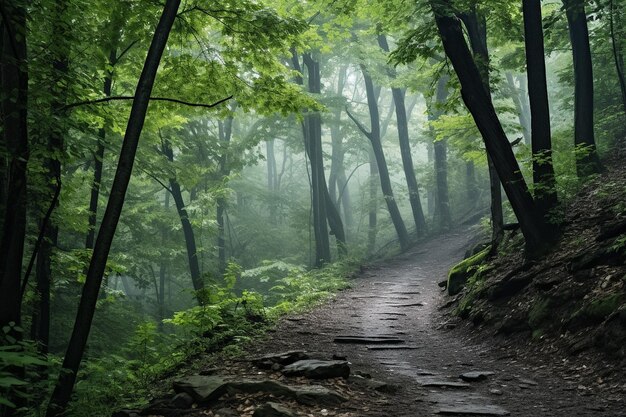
<point x="543" y="171"/>
<point x="375" y="139"/>
<point x="76" y="347"/>
<point x="589" y="162"/>
<point x="478" y="102"/>
<point x="405" y="148"/>
<point x="14" y="78"/>
<point x="441" y="212"/>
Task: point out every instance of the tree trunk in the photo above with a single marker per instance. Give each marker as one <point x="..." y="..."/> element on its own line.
<point x="405" y="149"/>
<point x="271" y="178"/>
<point x="442" y="217"/>
<point x="40" y="330"/>
<point x="589" y="162"/>
<point x="477" y="100"/>
<point x="477" y="30"/>
<point x="14" y="110"/>
<point x="372" y="222"/>
<point x="226" y="131"/>
<point x="190" y="238"/>
<point x="98" y="161"/>
<point x="617" y="56"/>
<point x="543" y="170"/>
<point x="163" y="266"/>
<point x="76" y="347"/>
<point x="377" y="147"/>
<point x="471" y="187"/>
<point x="518" y="97"/>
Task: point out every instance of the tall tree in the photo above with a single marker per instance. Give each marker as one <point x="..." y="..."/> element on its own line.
<point x="86" y="309"/>
<point x="476" y="24"/>
<point x="190" y="237"/>
<point x="543" y="170"/>
<point x="225" y="134"/>
<point x="589" y="163"/>
<point x="479" y="104"/>
<point x="441" y="211"/>
<point x="374" y="137"/>
<point x="14" y="78"/>
<point x="405" y="148"/>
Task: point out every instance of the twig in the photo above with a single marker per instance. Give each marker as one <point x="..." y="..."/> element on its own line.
<point x="168" y="99"/>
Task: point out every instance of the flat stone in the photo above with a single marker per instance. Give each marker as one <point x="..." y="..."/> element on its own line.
<point x="284" y="358"/>
<point x="317" y="395"/>
<point x="373" y="384"/>
<point x="266" y="386"/>
<point x="405" y="305"/>
<point x="182" y="400"/>
<point x="526" y="381"/>
<point x="391" y="347"/>
<point x="317" y="369"/>
<point x="271" y="409"/>
<point x="364" y="340"/>
<point x="474" y="376"/>
<point x="432" y="382"/>
<point x="473" y="410"/>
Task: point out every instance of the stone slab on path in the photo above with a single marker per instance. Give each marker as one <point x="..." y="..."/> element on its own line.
<point x="318" y="369"/>
<point x="441" y="383"/>
<point x="473" y="410"/>
<point x="392" y="347"/>
<point x="283" y="358"/>
<point x="371" y="340"/>
<point x="474" y="376"/>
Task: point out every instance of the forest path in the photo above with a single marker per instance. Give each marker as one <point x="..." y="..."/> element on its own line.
<point x="395" y="305"/>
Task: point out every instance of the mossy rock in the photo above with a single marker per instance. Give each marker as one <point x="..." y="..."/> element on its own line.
<point x="461" y="272"/>
<point x="594" y="312"/>
<point x="539" y="312"/>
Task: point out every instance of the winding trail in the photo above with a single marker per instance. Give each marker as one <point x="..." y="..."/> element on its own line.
<point x="395" y="305"/>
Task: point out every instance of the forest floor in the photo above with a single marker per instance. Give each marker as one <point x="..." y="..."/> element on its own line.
<point x="418" y="352"/>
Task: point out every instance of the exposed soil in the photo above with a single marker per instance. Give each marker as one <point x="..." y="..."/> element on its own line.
<point x="400" y="300"/>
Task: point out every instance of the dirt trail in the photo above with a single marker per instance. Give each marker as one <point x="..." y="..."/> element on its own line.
<point x="398" y="301"/>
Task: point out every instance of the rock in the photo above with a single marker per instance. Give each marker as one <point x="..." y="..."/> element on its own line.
<point x="266" y="386"/>
<point x="460" y="273"/>
<point x="201" y="388"/>
<point x="338" y="357"/>
<point x="526" y="381"/>
<point x="272" y="410"/>
<point x="182" y="400"/>
<point x="318" y="395"/>
<point x="284" y="358"/>
<point x="368" y="340"/>
<point x="474" y="376"/>
<point x="495" y="391"/>
<point x="392" y="347"/>
<point x="473" y="410"/>
<point x="317" y="369"/>
<point x="432" y="382"/>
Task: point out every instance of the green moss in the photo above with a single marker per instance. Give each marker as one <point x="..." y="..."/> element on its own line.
<point x="537" y="333"/>
<point x="461" y="272"/>
<point x="538" y="313"/>
<point x="602" y="307"/>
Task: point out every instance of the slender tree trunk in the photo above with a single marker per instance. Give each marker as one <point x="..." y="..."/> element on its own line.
<point x="477" y="30"/>
<point x="471" y="187"/>
<point x="372" y="229"/>
<point x="14" y="110"/>
<point x="480" y="106"/>
<point x="190" y="237"/>
<point x="163" y="265"/>
<point x="98" y="161"/>
<point x="43" y="274"/>
<point x="543" y="170"/>
<point x="226" y="131"/>
<point x="76" y="347"/>
<point x="271" y="178"/>
<point x="441" y="216"/>
<point x="405" y="149"/>
<point x="377" y="147"/>
<point x="517" y="95"/>
<point x="617" y="57"/>
<point x="589" y="163"/>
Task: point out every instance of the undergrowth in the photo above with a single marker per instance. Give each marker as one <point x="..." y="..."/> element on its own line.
<point x="235" y="312"/>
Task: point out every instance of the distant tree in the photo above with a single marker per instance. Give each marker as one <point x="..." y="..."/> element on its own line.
<point x="584" y="136"/>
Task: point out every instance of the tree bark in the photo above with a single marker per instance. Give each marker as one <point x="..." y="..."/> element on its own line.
<point x="543" y="170"/>
<point x="477" y="30"/>
<point x="589" y="162"/>
<point x="190" y="238"/>
<point x="441" y="216"/>
<point x="518" y="97"/>
<point x="480" y="106"/>
<point x="226" y="131"/>
<point x="76" y="347"/>
<point x="405" y="149"/>
<point x="385" y="181"/>
<point x="617" y="56"/>
<point x="14" y="110"/>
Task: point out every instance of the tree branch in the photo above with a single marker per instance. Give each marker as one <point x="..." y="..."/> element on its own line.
<point x="359" y="125"/>
<point x="120" y="98"/>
